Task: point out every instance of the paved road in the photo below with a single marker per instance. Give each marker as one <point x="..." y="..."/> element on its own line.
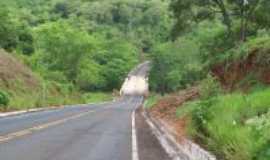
<point x="94" y="132"/>
<point x="141" y="70"/>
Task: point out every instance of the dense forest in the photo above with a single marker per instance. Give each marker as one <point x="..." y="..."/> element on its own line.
<point x="78" y="50"/>
<point x="79" y="46"/>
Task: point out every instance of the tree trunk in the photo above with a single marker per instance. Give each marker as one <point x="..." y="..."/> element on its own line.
<point x="225" y="14"/>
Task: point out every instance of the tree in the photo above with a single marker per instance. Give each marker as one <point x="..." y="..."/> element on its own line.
<point x="63" y="47"/>
<point x="62" y="8"/>
<point x="262" y="15"/>
<point x="187" y="11"/>
<point x="8" y="37"/>
<point x="25" y="39"/>
<point x="175" y="65"/>
<point x="90" y="75"/>
<point x="141" y="22"/>
<point x="117" y="58"/>
<point x="14" y="33"/>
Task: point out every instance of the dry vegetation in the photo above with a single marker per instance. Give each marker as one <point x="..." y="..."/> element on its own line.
<point x="14" y="75"/>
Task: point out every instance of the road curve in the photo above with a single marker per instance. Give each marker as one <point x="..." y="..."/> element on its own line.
<point x="91" y="132"/>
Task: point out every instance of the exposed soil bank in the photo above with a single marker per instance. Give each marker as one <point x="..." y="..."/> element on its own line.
<point x="165" y="110"/>
<point x="244" y="72"/>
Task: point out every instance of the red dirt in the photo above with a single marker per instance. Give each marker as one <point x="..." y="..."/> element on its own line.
<point x="165" y="110"/>
<point x="231" y="73"/>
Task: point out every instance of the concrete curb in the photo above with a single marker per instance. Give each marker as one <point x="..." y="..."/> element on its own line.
<point x="187" y="150"/>
<point x="15" y="113"/>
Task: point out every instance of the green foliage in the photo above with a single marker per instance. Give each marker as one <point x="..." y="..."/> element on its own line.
<point x="4" y="100"/>
<point x="119" y="58"/>
<point x="210" y="87"/>
<point x="258" y="46"/>
<point x="144" y="22"/>
<point x="262" y="14"/>
<point x="63" y="47"/>
<point x="90" y="75"/>
<point x="96" y="97"/>
<point x="92" y="63"/>
<point x="229" y="12"/>
<point x="8" y="37"/>
<point x="175" y="65"/>
<point x="79" y="46"/>
<point x="151" y="101"/>
<point x="13" y="33"/>
<point x="25" y="42"/>
<point x="234" y="125"/>
<point x="62" y="9"/>
<point x="92" y="44"/>
<point x="213" y="41"/>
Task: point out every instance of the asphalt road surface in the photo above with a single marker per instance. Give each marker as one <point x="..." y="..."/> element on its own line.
<point x="94" y="132"/>
<point x="97" y="132"/>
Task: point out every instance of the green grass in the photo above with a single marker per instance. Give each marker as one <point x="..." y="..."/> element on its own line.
<point x="234" y="126"/>
<point x="97" y="97"/>
<point x="49" y="93"/>
<point x="151" y="101"/>
<point x="36" y="100"/>
<point x="186" y="109"/>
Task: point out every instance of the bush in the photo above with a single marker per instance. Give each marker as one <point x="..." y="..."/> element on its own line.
<point x="176" y="65"/>
<point x="209" y="87"/>
<point x="235" y="126"/>
<point x="4" y="100"/>
<point x="89" y="75"/>
<point x="8" y="37"/>
<point x="63" y="47"/>
<point x="96" y="97"/>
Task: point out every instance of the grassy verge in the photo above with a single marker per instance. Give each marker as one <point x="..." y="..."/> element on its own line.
<point x="35" y="100"/>
<point x="151" y="101"/>
<point x="97" y="97"/>
<point x="234" y="126"/>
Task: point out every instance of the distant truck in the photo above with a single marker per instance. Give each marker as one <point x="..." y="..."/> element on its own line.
<point x="135" y="85"/>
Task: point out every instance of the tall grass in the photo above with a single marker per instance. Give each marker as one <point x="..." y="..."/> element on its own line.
<point x="32" y="100"/>
<point x="234" y="126"/>
<point x="151" y="101"/>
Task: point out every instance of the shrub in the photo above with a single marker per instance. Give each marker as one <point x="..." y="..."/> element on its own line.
<point x="176" y="65"/>
<point x="235" y="126"/>
<point x="96" y="97"/>
<point x="63" y="47"/>
<point x="4" y="100"/>
<point x="209" y="87"/>
<point x="89" y="75"/>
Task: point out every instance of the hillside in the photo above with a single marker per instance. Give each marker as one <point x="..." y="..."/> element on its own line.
<point x="78" y="51"/>
<point x="26" y="89"/>
<point x="220" y="48"/>
<point x="16" y="76"/>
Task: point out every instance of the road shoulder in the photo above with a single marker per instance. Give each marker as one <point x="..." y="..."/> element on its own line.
<point x="149" y="147"/>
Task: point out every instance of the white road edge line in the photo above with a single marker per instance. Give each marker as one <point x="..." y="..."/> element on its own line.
<point x="162" y="139"/>
<point x="135" y="155"/>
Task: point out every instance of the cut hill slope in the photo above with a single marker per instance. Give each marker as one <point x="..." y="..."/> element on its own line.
<point x="246" y="65"/>
<point x="25" y="89"/>
<point x="14" y="75"/>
